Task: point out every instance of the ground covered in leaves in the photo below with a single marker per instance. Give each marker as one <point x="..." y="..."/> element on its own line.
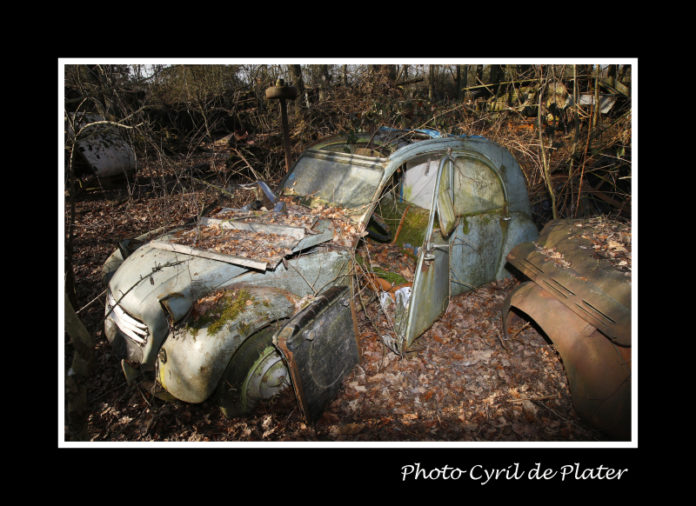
<point x="460" y="382"/>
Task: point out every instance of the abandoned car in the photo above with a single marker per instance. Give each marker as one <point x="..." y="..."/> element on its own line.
<point x="245" y="302"/>
<point x="101" y="147"/>
<point x="579" y="293"/>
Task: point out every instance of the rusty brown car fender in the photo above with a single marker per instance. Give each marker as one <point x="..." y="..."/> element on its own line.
<point x="583" y="305"/>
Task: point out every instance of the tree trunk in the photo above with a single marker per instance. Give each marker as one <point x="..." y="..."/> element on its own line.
<point x="431" y="83"/>
<point x="325" y="82"/>
<point x="297" y="81"/>
<point x="391" y="72"/>
<point x="457" y="81"/>
<point x="77" y="374"/>
<point x="496" y="77"/>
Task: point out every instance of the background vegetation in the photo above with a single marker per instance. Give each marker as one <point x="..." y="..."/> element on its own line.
<point x="577" y="160"/>
<point x="200" y="132"/>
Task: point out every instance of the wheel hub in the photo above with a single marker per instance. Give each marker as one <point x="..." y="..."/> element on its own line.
<point x="267" y="378"/>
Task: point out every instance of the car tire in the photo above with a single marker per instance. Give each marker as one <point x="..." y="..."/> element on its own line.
<point x="378" y="230"/>
<point x="255" y="373"/>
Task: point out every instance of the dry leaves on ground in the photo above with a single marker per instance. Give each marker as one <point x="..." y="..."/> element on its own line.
<point x="460" y="381"/>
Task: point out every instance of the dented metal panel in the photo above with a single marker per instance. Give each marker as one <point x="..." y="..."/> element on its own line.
<point x="270" y="242"/>
<point x="430" y="293"/>
<point x="324" y="232"/>
<point x="476" y="250"/>
<point x="295" y="233"/>
<point x="211" y="255"/>
<point x="305" y="275"/>
<point x="561" y="262"/>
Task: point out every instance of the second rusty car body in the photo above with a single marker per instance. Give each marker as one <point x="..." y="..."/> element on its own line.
<point x="579" y="293"/>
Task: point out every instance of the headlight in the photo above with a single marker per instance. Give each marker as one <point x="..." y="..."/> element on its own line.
<point x="134" y="329"/>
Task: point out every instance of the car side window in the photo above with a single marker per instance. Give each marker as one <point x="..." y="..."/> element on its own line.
<point x="419" y="180"/>
<point x="477" y="187"/>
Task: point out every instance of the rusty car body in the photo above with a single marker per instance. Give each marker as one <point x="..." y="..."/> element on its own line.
<point x="241" y="321"/>
<point x="581" y="299"/>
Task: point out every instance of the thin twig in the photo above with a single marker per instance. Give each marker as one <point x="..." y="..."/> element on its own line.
<point x="502" y="341"/>
<point x="582" y="170"/>
<point x="539" y="403"/>
<point x="256" y="175"/>
<point x="311" y="287"/>
<point x="514" y="336"/>
<point x="401" y="222"/>
<point x="91" y="302"/>
<point x="217" y="188"/>
<point x="545" y="163"/>
<point x="532" y="399"/>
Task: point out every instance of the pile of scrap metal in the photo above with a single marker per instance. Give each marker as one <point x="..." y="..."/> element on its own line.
<point x="580" y="296"/>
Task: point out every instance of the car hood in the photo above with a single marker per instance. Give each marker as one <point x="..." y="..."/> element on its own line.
<point x="163" y="267"/>
<point x="151" y="274"/>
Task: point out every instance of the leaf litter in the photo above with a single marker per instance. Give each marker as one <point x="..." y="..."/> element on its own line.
<point x="459" y="382"/>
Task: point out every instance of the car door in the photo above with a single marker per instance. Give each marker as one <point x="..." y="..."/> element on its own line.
<point x="463" y="241"/>
<point x="431" y="288"/>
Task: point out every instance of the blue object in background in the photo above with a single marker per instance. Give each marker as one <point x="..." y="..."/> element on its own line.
<point x="433" y="134"/>
<point x="411" y="249"/>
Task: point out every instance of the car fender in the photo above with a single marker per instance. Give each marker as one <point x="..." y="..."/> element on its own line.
<point x="195" y="354"/>
<point x="598" y="371"/>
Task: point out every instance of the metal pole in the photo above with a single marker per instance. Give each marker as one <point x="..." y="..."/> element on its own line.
<point x="286" y="135"/>
<point x="282" y="92"/>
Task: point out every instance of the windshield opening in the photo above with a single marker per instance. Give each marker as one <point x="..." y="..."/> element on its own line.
<point x="341" y="180"/>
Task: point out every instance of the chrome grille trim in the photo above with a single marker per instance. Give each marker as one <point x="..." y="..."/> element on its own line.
<point x="131" y="327"/>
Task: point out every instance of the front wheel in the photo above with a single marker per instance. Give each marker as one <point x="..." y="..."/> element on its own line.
<point x="256" y="372"/>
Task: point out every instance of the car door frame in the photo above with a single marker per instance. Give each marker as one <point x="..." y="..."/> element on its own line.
<point x="432" y="285"/>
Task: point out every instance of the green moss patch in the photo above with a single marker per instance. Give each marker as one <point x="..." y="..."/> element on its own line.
<point x="392" y="277"/>
<point x="217" y="309"/>
<point x="414" y="225"/>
